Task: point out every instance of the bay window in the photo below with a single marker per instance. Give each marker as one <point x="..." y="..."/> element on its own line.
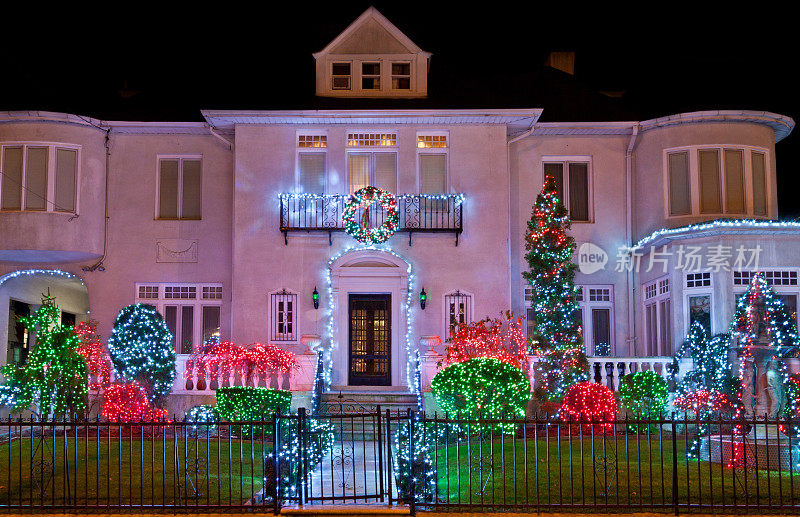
<point x="39" y="177"/>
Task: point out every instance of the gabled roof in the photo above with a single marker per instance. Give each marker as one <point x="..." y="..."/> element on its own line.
<point x="372" y="15"/>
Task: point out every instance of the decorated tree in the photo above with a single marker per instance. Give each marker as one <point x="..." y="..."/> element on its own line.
<point x="141" y="350"/>
<point x="53" y="382"/>
<point x="94" y="353"/>
<point x="557" y="340"/>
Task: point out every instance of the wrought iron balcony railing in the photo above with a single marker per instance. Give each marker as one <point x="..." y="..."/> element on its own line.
<point x="417" y="212"/>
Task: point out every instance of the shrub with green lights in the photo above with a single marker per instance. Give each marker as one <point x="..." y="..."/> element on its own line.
<point x="483" y="386"/>
<point x="141" y="350"/>
<point x="645" y="395"/>
<point x="249" y="403"/>
<point x="204" y="420"/>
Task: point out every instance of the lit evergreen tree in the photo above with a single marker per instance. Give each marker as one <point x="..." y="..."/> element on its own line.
<point x="53" y="382"/>
<point x="141" y="350"/>
<point x="557" y="340"/>
<point x="711" y="370"/>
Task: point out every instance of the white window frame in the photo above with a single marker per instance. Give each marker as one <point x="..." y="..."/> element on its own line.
<point x="198" y="302"/>
<point x="468" y="314"/>
<point x="180" y="158"/>
<point x="350" y="77"/>
<point x="777" y="289"/>
<point x="52" y="147"/>
<point x="273" y="320"/>
<point x="694" y="179"/>
<point x="586" y="307"/>
<point x="565" y="161"/>
<point x="433" y="150"/>
<point x="380" y="75"/>
<point x="392" y="76"/>
<point x="690" y="292"/>
<point x="303" y="150"/>
<point x="662" y="291"/>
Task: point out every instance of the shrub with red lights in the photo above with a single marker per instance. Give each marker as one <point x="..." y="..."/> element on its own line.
<point x="127" y="402"/>
<point x="498" y="338"/>
<point x="590" y="405"/>
<point x="703" y="400"/>
<point x="227" y="357"/>
<point x="94" y="352"/>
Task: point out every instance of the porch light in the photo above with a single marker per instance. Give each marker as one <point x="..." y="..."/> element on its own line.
<point x="315" y="297"/>
<point x="423" y="298"/>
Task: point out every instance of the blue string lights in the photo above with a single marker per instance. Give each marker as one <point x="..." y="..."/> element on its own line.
<point x="721" y="224"/>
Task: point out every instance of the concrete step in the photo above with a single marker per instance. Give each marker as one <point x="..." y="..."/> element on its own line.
<point x="343" y="510"/>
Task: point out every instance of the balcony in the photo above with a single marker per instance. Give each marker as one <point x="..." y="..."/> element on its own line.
<point x="418" y="213"/>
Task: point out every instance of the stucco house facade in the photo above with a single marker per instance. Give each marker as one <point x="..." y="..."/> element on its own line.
<point x="228" y="226"/>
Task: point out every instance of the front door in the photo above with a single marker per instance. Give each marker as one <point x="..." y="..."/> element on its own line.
<point x="370" y="339"/>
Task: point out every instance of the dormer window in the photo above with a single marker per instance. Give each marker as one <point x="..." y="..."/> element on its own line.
<point x="340" y="76"/>
<point x="401" y="76"/>
<point x="370" y="76"/>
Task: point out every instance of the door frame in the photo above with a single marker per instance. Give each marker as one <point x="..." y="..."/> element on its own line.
<point x="386" y="380"/>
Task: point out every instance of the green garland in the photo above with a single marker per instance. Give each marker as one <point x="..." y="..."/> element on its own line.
<point x="371" y="235"/>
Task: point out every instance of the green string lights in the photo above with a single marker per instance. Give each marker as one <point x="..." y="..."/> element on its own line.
<point x="645" y="394"/>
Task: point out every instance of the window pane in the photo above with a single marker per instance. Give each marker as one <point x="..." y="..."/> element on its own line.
<point x="401" y="68"/>
<point x="341" y="69"/>
<point x="187" y="329"/>
<point x="790" y="301"/>
<point x="432" y="173"/>
<point x="168" y="190"/>
<point x="312" y="173"/>
<point x="708" y="168"/>
<point x="386" y="171"/>
<point x="36" y="179"/>
<point x="359" y="171"/>
<point x="12" y="178"/>
<point x="192" y="190"/>
<point x="759" y="184"/>
<point x="556" y="170"/>
<point x="734" y="181"/>
<point x="210" y="324"/>
<point x="579" y="191"/>
<point x="601" y="331"/>
<point x="370" y="69"/>
<point x="700" y="311"/>
<point x="665" y="342"/>
<point x="66" y="166"/>
<point x="680" y="199"/>
<point x="171" y="318"/>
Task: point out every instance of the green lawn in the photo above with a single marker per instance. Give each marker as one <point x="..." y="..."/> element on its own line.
<point x="599" y="471"/>
<point x="131" y="471"/>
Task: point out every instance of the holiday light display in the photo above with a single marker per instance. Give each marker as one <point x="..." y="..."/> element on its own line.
<point x="97" y="359"/>
<point x="558" y="341"/>
<point x="141" y="350"/>
<point x="54" y="380"/>
<point x="703" y="401"/>
<point x="250" y="403"/>
<point x="482" y="387"/>
<point x="361" y="230"/>
<point x="225" y="358"/>
<point x="645" y="394"/>
<point x="591" y="406"/>
<point x="204" y="420"/>
<point x="722" y="224"/>
<point x="127" y="402"/>
<point x="498" y="338"/>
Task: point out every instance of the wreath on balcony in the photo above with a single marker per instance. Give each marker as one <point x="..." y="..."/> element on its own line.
<point x="362" y="230"/>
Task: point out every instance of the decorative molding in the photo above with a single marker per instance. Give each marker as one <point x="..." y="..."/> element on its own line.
<point x="176" y="250"/>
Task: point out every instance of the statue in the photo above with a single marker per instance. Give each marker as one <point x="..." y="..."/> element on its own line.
<point x="774" y="390"/>
<point x="748" y="394"/>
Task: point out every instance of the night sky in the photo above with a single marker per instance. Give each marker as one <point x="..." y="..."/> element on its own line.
<point x="124" y="61"/>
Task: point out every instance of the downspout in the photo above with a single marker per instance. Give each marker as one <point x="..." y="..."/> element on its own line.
<point x="510" y="200"/>
<point x="98" y="266"/>
<point x="629" y="278"/>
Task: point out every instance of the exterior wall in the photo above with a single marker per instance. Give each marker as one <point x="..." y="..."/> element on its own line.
<point x="649" y="187"/>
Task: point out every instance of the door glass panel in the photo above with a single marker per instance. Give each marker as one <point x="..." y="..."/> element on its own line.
<point x="171" y="318"/>
<point x="601" y="331"/>
<point x="187" y="329"/>
<point x="370" y="340"/>
<point x="700" y="310"/>
<point x="210" y="324"/>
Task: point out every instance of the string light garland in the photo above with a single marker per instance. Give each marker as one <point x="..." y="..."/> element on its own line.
<point x="141" y="350"/>
<point x="97" y="359"/>
<point x="558" y="335"/>
<point x="54" y="380"/>
<point x="720" y="224"/>
<point x="590" y="405"/>
<point x="127" y="402"/>
<point x="645" y="394"/>
<point x="226" y="358"/>
<point x="362" y="231"/>
<point x="457" y="198"/>
<point x="499" y="338"/>
<point x="40" y="272"/>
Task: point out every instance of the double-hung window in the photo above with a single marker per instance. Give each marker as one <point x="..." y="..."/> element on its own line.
<point x="341" y="76"/>
<point x="180" y="187"/>
<point x="432" y="155"/>
<point x="372" y="160"/>
<point x="311" y="159"/>
<point x="191" y="311"/>
<point x="370" y="76"/>
<point x="39" y="177"/>
<point x="572" y="178"/>
<point x="401" y="76"/>
<point x="658" y="318"/>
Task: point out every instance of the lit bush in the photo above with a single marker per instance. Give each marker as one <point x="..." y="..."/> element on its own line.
<point x="644" y="394"/>
<point x="248" y="404"/>
<point x="485" y="387"/>
<point x="590" y="405"/>
<point x="127" y="403"/>
<point x="204" y="420"/>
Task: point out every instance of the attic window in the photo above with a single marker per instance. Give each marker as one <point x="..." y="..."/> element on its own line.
<point x="370" y="76"/>
<point x="340" y="73"/>
<point x="401" y="76"/>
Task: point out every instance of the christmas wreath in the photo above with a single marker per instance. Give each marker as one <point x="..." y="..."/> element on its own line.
<point x="363" y="231"/>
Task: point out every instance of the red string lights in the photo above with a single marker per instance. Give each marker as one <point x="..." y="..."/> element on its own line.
<point x="97" y="359"/>
<point x="498" y="338"/>
<point x="126" y="403"/>
<point x="229" y="358"/>
<point x="592" y="405"/>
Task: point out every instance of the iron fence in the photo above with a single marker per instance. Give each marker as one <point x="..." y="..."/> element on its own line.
<point x="361" y="455"/>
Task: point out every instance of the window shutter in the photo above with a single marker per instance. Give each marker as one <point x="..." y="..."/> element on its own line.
<point x="759" y="184"/>
<point x="12" y="178"/>
<point x="679" y="192"/>
<point x="386" y="171"/>
<point x="168" y="190"/>
<point x="66" y="166"/>
<point x="432" y="173"/>
<point x="36" y="179"/>
<point x="579" y="191"/>
<point x="708" y="166"/>
<point x="312" y="173"/>
<point x="192" y="190"/>
<point x="734" y="181"/>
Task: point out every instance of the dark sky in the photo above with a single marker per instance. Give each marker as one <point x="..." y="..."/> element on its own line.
<point x="167" y="61"/>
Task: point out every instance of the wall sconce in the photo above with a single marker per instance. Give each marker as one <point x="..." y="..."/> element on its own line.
<point x="423" y="298"/>
<point x="315" y="297"/>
